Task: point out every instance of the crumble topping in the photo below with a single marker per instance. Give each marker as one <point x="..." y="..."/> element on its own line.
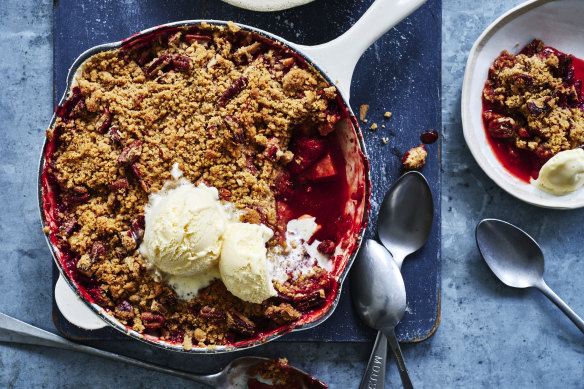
<point x="223" y="105"/>
<point x="534" y="102"/>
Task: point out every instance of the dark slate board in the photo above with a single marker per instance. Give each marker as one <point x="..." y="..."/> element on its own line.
<point x="400" y="73"/>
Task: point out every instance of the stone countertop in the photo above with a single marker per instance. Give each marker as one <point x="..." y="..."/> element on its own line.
<point x="489" y="336"/>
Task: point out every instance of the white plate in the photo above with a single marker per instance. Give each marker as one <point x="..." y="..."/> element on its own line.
<point x="558" y="23"/>
<point x="267" y="5"/>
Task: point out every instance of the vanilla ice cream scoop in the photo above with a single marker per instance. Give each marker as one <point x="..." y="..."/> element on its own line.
<point x="243" y="265"/>
<point x="184" y="227"/>
<point x="563" y="173"/>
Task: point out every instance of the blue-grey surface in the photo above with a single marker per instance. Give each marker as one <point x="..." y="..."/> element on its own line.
<point x="489" y="336"/>
<point x="401" y="73"/>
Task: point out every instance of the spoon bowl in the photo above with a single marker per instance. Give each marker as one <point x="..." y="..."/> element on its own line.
<point x="377" y="287"/>
<point x="405" y="216"/>
<point x="513" y="255"/>
<point x="379" y="296"/>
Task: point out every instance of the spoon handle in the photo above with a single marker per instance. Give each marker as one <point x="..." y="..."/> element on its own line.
<point x="399" y="360"/>
<point x="15" y="331"/>
<point x="374" y="376"/>
<point x="549" y="293"/>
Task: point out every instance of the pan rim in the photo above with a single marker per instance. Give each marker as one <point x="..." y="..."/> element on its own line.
<point x="102" y="313"/>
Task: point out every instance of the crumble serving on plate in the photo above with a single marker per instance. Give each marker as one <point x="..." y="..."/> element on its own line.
<point x="533" y="102"/>
<point x="233" y="112"/>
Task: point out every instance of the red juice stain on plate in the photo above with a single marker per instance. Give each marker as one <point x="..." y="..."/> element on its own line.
<point x="521" y="163"/>
<point x="429" y="136"/>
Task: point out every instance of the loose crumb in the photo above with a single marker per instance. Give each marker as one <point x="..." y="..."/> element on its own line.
<point x="414" y="158"/>
<point x="387" y="115"/>
<point x="383" y="126"/>
<point x="365" y="120"/>
<point x="385" y="140"/>
<point x="374" y="127"/>
<point x="363" y="111"/>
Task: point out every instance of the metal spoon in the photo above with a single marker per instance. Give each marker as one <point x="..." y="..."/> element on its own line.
<point x="379" y="296"/>
<point x="517" y="260"/>
<point x="233" y="376"/>
<point x="405" y="216"/>
<point x="403" y="226"/>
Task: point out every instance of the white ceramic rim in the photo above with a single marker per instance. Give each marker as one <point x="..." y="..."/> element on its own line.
<point x="469" y="132"/>
<point x="267" y="5"/>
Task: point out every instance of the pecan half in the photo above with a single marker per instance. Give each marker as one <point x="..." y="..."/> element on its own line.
<point x="234" y="128"/>
<point x="66" y="228"/>
<point x="159" y="64"/>
<point x="119" y="185"/>
<point x="224" y="194"/>
<point x="214" y="314"/>
<point x="104" y="121"/>
<point x="138" y="176"/>
<point x="152" y="320"/>
<point x="197" y="38"/>
<point x="114" y="134"/>
<point x="240" y="324"/>
<point x="232" y="91"/>
<point x="97" y="252"/>
<point x="182" y="63"/>
<point x="131" y="153"/>
<point x="310" y="301"/>
<point x="79" y="194"/>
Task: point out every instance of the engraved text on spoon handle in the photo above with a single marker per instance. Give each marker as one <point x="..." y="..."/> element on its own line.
<point x="374" y="377"/>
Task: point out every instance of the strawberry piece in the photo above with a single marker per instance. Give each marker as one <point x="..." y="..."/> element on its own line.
<point x="284" y="212"/>
<point x="322" y="169"/>
<point x="306" y="152"/>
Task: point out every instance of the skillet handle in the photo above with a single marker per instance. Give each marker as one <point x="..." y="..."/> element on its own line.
<point x="339" y="56"/>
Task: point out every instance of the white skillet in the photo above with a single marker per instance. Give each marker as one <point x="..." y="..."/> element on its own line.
<point x="336" y="58"/>
<point x="558" y="23"/>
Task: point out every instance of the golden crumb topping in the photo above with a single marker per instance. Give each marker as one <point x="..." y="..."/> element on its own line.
<point x="221" y="103"/>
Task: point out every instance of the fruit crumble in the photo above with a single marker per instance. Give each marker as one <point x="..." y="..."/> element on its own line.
<point x="231" y="110"/>
<point x="533" y="107"/>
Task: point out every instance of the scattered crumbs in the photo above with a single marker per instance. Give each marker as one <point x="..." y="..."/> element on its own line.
<point x="383" y="126"/>
<point x="374" y="127"/>
<point x="46" y="229"/>
<point x="387" y="115"/>
<point x="363" y="112"/>
<point x="385" y="140"/>
<point x="365" y="120"/>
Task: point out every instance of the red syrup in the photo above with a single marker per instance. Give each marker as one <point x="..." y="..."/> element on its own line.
<point x="521" y="163"/>
<point x="324" y="198"/>
<point x="429" y="137"/>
